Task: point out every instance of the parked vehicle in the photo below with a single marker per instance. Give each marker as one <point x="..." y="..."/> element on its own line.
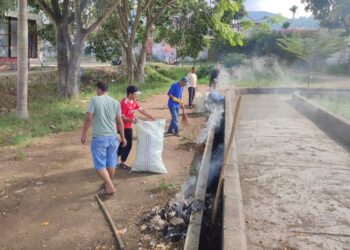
<point x="116" y="61"/>
<point x="172" y="62"/>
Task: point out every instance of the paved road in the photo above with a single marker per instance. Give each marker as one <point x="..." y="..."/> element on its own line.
<point x="294" y="178"/>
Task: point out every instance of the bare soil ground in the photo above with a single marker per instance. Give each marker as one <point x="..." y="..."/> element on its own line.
<point x="47" y="190"/>
<point x="294" y="178"/>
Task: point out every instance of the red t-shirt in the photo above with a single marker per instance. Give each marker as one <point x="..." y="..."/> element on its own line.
<point x="128" y="109"/>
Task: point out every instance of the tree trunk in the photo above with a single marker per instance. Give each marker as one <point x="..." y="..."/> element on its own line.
<point x="130" y="64"/>
<point x="309" y="78"/>
<point x="62" y="63"/>
<point x="141" y="65"/>
<point x="68" y="64"/>
<point x="349" y="64"/>
<point x="143" y="53"/>
<point x="22" y="60"/>
<point x="141" y="73"/>
<point x="72" y="73"/>
<point x="73" y="69"/>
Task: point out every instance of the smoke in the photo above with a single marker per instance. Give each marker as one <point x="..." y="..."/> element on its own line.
<point x="187" y="191"/>
<point x="257" y="71"/>
<point x="216" y="162"/>
<point x="216" y="110"/>
<point x="215" y="119"/>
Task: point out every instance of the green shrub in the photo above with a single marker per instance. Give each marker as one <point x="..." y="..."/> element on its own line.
<point x="233" y="59"/>
<point x="204" y="71"/>
<point x="105" y="74"/>
<point x="173" y="72"/>
<point x="338" y="69"/>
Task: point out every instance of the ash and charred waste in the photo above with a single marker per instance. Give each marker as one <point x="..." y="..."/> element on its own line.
<point x="166" y="227"/>
<point x="210" y="233"/>
<point x="169" y="224"/>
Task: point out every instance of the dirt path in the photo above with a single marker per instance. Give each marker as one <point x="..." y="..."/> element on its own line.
<point x="47" y="195"/>
<point x="294" y="178"/>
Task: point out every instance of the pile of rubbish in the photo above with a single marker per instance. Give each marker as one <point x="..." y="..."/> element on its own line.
<point x="168" y="224"/>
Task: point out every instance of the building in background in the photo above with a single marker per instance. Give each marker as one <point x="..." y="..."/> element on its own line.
<point x="8" y="39"/>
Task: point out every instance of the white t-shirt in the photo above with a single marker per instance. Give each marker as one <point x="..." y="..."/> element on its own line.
<point x="192" y="77"/>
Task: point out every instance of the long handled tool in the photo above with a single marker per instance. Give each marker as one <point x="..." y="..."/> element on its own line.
<point x="184" y="117"/>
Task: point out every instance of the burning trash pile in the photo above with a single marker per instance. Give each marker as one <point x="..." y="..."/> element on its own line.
<point x="168" y="225"/>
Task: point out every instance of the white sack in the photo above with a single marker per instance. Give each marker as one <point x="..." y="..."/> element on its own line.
<point x="199" y="102"/>
<point x="150" y="147"/>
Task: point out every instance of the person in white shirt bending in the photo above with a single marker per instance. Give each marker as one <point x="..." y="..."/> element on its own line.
<point x="192" y="77"/>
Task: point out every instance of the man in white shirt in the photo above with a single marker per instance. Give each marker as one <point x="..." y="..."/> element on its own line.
<point x="192" y="77"/>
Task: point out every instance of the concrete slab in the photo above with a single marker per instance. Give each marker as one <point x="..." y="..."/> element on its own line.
<point x="294" y="179"/>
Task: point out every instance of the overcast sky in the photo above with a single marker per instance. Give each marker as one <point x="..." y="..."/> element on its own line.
<point x="276" y="6"/>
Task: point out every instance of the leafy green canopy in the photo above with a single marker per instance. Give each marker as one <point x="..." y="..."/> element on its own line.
<point x="319" y="45"/>
<point x="105" y="43"/>
<point x="190" y="25"/>
<point x="186" y="28"/>
<point x="6" y="5"/>
<point x="331" y="13"/>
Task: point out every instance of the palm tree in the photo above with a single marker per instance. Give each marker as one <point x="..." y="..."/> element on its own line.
<point x="293" y="9"/>
<point x="22" y="60"/>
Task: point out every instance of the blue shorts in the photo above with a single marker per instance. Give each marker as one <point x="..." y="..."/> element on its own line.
<point x="104" y="151"/>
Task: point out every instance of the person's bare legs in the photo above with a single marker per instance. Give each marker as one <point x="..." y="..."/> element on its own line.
<point x="105" y="176"/>
<point x="111" y="171"/>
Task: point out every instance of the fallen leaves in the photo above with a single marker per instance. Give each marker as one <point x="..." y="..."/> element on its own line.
<point x="45" y="223"/>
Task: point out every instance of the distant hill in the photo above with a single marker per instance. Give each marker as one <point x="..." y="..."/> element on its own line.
<point x="306" y="22"/>
<point x="259" y="15"/>
<point x="301" y="22"/>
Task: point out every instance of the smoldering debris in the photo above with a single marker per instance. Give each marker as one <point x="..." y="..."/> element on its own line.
<point x="170" y="223"/>
<point x="210" y="233"/>
<point x="167" y="226"/>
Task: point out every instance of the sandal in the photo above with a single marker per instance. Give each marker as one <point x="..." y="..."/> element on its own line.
<point x="124" y="166"/>
<point x="103" y="192"/>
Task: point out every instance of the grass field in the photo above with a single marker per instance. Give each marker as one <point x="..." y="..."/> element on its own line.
<point x="339" y="106"/>
<point x="49" y="113"/>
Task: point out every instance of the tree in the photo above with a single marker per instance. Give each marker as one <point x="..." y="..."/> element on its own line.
<point x="332" y="14"/>
<point x="131" y="24"/>
<point x="22" y="54"/>
<point x="5" y="5"/>
<point x="134" y="23"/>
<point x="293" y="9"/>
<point x="74" y="21"/>
<point x="128" y="19"/>
<point x="193" y="22"/>
<point x="318" y="46"/>
<point x="151" y="11"/>
<point x="105" y="43"/>
<point x="186" y="29"/>
<point x="22" y="60"/>
<point x="222" y="27"/>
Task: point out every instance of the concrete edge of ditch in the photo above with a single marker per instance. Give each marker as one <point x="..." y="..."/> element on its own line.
<point x="284" y="90"/>
<point x="233" y="222"/>
<point x="335" y="126"/>
<point x="195" y="225"/>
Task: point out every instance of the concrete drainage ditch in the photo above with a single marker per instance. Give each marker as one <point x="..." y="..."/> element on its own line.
<point x="189" y="223"/>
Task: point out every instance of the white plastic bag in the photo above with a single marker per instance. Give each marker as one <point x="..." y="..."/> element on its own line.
<point x="150" y="147"/>
<point x="199" y="102"/>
